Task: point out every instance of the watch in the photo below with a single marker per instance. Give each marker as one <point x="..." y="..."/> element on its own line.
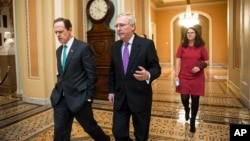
<point x="99" y="10"/>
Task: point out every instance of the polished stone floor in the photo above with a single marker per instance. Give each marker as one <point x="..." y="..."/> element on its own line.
<point x="20" y="121"/>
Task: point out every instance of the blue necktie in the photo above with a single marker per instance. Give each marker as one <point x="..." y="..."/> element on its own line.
<point x="125" y="57"/>
<point x="64" y="56"/>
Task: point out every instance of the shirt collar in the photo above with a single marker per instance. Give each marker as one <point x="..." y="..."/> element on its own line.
<point x="130" y="41"/>
<point x="70" y="42"/>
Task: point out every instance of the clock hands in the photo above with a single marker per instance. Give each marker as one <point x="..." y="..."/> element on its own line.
<point x="98" y="9"/>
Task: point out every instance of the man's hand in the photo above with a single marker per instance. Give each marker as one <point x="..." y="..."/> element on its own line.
<point x="141" y="74"/>
<point x="111" y="97"/>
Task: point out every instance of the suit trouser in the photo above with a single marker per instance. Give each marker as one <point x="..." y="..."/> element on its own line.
<point x="140" y="120"/>
<point x="63" y="119"/>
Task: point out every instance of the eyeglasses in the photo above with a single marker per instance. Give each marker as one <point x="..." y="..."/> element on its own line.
<point x="190" y="32"/>
<point x="120" y="25"/>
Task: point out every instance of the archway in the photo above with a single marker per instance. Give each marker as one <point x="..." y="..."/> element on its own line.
<point x="176" y="34"/>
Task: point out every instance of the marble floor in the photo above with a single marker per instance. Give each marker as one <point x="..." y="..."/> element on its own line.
<point x="21" y="121"/>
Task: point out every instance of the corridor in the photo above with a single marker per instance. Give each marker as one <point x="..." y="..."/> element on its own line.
<point x="20" y="121"/>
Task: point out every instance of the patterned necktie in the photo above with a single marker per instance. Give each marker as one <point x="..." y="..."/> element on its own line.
<point x="64" y="56"/>
<point x="125" y="58"/>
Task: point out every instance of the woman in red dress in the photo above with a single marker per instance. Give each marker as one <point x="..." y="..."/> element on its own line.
<point x="191" y="59"/>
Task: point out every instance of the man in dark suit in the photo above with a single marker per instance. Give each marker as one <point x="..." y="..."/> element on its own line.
<point x="74" y="91"/>
<point x="130" y="89"/>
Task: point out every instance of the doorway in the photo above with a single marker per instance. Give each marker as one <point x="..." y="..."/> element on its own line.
<point x="7" y="48"/>
<point x="177" y="33"/>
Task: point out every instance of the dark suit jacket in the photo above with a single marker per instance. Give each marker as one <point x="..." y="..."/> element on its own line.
<point x="138" y="93"/>
<point x="78" y="80"/>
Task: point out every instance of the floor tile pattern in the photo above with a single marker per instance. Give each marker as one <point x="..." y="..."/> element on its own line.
<point x="20" y="121"/>
<point x="4" y="100"/>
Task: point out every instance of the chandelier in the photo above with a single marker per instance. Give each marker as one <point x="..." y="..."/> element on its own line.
<point x="188" y="19"/>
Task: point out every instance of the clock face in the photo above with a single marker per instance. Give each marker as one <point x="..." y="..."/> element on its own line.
<point x="98" y="9"/>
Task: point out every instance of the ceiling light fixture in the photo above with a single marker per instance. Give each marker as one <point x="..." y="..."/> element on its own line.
<point x="188" y="19"/>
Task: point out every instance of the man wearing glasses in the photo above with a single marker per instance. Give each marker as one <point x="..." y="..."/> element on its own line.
<point x="133" y="67"/>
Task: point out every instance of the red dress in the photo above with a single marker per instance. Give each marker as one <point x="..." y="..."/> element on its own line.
<point x="191" y="83"/>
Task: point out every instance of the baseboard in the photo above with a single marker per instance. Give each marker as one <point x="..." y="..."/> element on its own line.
<point x="39" y="101"/>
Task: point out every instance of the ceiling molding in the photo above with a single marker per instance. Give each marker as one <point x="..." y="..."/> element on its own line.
<point x="173" y="3"/>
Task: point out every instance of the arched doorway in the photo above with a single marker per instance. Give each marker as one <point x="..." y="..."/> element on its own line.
<point x="177" y="31"/>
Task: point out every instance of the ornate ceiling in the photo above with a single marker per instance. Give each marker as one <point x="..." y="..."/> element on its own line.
<point x="170" y="3"/>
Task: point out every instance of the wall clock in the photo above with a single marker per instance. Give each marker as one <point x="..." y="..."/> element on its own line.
<point x="99" y="11"/>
